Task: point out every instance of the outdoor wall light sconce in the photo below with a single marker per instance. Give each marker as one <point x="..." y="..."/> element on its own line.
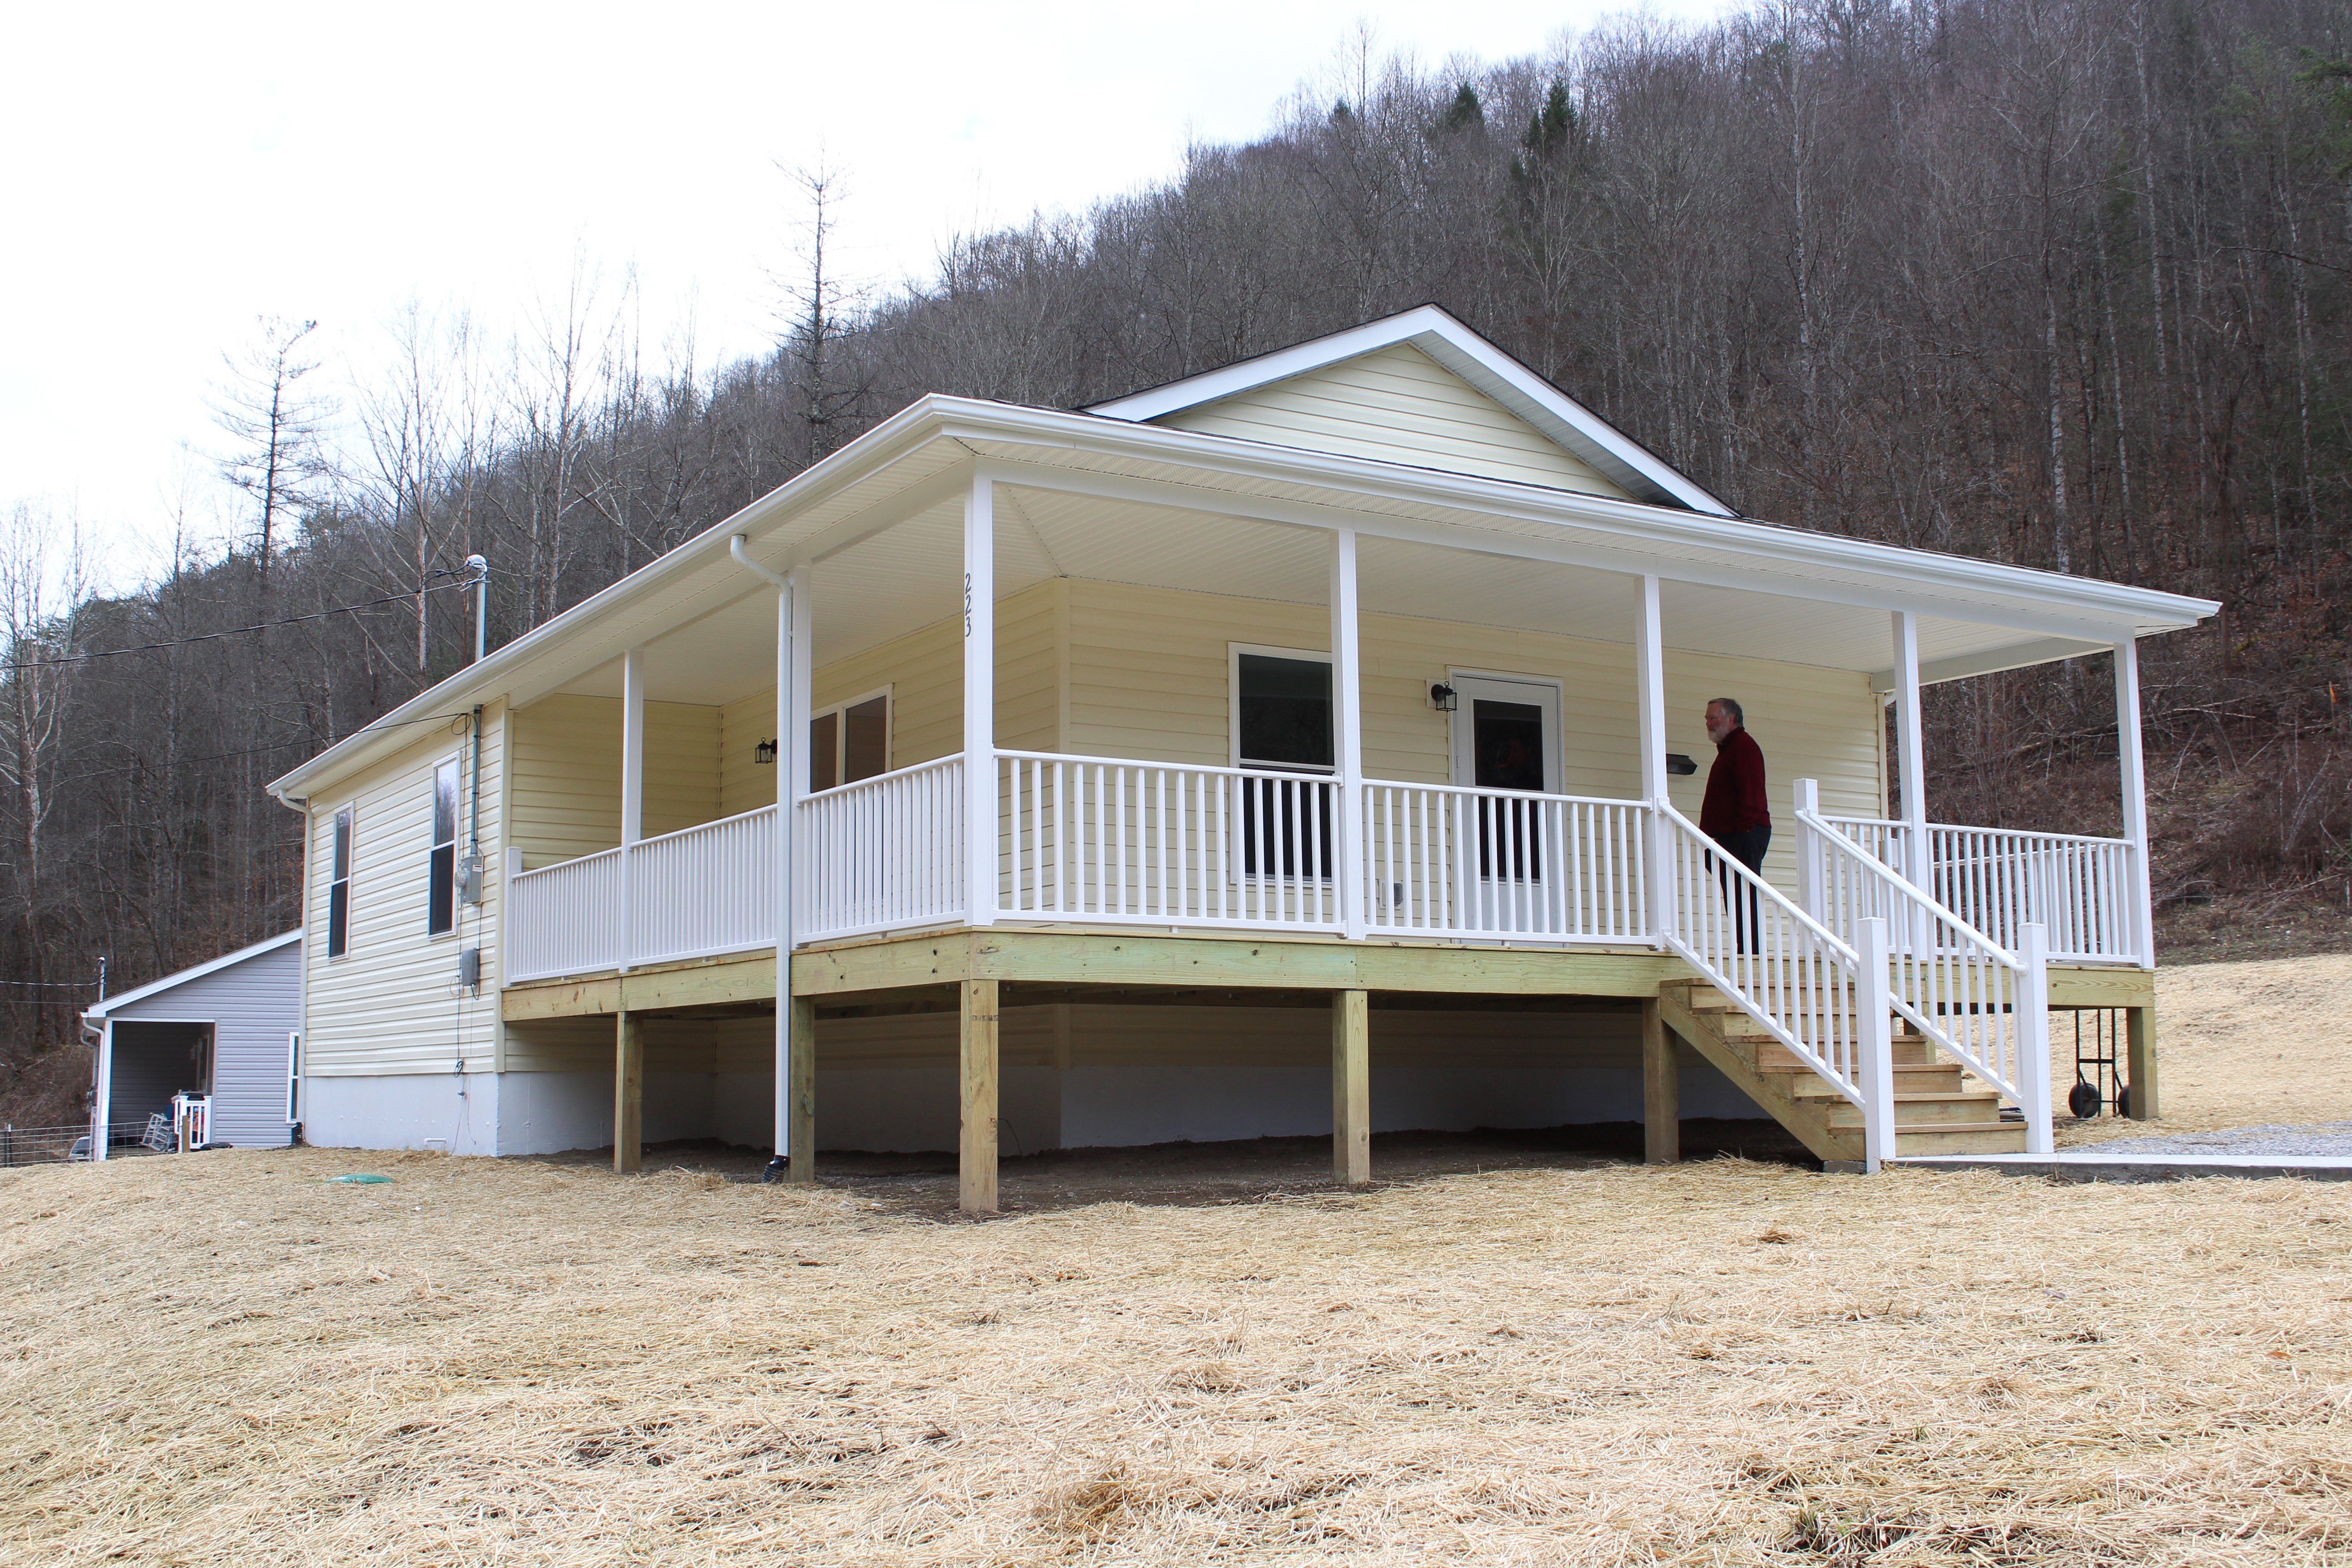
<point x="764" y="753"/>
<point x="1681" y="765"/>
<point x="1441" y="697"/>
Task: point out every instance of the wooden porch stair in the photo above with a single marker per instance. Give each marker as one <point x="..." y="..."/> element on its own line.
<point x="1935" y="1109"/>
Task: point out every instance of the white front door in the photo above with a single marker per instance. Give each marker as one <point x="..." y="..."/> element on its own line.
<point x="1506" y="732"/>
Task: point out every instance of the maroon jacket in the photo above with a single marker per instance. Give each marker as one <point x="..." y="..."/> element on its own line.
<point x="1735" y="788"/>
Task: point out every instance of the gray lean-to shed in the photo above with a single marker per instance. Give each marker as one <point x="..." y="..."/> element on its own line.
<point x="226" y="1028"/>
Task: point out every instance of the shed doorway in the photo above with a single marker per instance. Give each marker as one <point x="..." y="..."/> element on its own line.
<point x="152" y="1060"/>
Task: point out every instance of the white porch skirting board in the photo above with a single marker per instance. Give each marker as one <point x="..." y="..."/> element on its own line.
<point x="912" y="1107"/>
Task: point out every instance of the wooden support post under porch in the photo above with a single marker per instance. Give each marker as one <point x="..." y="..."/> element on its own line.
<point x="1661" y="1093"/>
<point x="628" y="1093"/>
<point x="976" y="1062"/>
<point x="2140" y="1025"/>
<point x="1351" y="1087"/>
<point x="801" y="1112"/>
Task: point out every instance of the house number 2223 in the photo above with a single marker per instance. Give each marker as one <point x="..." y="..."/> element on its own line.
<point x="967" y="604"/>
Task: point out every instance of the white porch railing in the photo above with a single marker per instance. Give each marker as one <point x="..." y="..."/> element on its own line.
<point x="2079" y="889"/>
<point x="883" y="853"/>
<point x="1444" y="861"/>
<point x="1985" y="1003"/>
<point x="1093" y="839"/>
<point x="565" y="918"/>
<point x="704" y="889"/>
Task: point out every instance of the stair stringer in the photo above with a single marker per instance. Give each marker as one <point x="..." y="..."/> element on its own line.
<point x="1808" y="1121"/>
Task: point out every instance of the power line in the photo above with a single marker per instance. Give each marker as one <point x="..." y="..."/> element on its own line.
<point x="232" y="631"/>
<point x="256" y="750"/>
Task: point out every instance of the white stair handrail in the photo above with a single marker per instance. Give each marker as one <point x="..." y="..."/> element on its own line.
<point x="1952" y="971"/>
<point x="1806" y="993"/>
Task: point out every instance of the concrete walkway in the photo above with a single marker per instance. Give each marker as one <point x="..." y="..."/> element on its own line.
<point x="2099" y="1164"/>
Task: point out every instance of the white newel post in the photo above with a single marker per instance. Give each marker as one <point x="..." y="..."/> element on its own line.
<point x="1874" y="1013"/>
<point x="1347" y="706"/>
<point x="1911" y="762"/>
<point x="1808" y="850"/>
<point x="2032" y="1024"/>
<point x="1649" y="699"/>
<point x="633" y="789"/>
<point x="980" y="825"/>
<point x="2139" y="899"/>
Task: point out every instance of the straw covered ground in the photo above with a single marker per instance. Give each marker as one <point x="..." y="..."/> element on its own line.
<point x="2267" y="1040"/>
<point x="227" y="1359"/>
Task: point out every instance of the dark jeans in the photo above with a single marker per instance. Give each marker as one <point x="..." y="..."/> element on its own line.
<point x="1747" y="848"/>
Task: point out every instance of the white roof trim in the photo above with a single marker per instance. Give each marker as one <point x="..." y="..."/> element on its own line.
<point x="182" y="977"/>
<point x="1446" y="340"/>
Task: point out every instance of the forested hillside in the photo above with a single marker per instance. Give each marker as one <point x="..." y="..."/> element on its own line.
<point x="2061" y="284"/>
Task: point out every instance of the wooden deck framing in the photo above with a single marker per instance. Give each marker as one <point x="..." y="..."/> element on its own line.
<point x="973" y="972"/>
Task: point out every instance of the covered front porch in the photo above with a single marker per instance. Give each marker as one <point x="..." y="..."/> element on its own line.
<point x="1464" y="740"/>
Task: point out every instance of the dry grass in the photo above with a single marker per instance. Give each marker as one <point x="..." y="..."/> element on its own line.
<point x="2240" y="1044"/>
<point x="225" y="1360"/>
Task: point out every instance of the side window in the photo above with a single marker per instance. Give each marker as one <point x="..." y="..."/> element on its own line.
<point x="338" y="889"/>
<point x="1282" y="710"/>
<point x="441" y="876"/>
<point x="849" y="741"/>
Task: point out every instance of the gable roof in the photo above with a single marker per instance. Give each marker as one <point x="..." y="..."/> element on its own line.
<point x="181" y="977"/>
<point x="1591" y="440"/>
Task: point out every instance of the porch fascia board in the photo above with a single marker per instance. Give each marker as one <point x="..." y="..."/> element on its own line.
<point x="863" y="966"/>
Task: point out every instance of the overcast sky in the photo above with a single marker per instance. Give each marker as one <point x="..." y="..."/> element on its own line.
<point x="174" y="172"/>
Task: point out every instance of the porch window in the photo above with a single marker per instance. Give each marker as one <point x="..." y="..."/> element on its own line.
<point x="1283" y="725"/>
<point x="849" y="741"/>
<point x="338" y="889"/>
<point x="441" y="874"/>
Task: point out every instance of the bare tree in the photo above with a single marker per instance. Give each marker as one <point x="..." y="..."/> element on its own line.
<point x="277" y="426"/>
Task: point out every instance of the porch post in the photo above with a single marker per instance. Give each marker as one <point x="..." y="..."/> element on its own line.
<point x="1910" y="750"/>
<point x="2139" y="899"/>
<point x="1650" y="700"/>
<point x="1912" y="935"/>
<point x="1348" y="708"/>
<point x="632" y="785"/>
<point x="980" y="828"/>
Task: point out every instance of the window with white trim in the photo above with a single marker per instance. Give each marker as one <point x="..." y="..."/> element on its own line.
<point x="849" y="740"/>
<point x="441" y="869"/>
<point x="339" y="888"/>
<point x="1283" y="727"/>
